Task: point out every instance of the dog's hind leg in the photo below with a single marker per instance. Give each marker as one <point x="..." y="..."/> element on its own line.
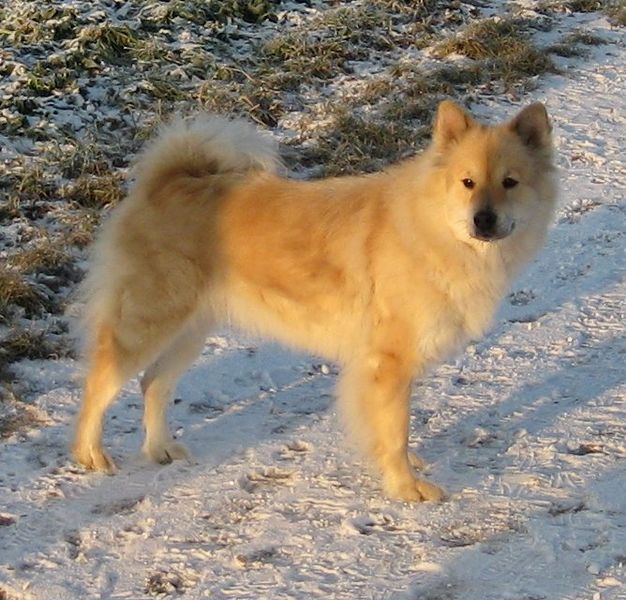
<point x="109" y="368"/>
<point x="158" y="384"/>
<point x="126" y="341"/>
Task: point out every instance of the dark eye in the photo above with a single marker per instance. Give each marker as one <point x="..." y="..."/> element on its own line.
<point x="509" y="182"/>
<point x="468" y="183"/>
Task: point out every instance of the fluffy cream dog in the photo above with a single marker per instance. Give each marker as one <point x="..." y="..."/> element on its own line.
<point x="387" y="274"/>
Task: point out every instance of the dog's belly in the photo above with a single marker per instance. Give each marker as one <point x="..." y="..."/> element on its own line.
<point x="324" y="322"/>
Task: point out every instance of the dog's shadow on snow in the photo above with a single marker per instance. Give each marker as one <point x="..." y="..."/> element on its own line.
<point x="240" y="399"/>
<point x="234" y="398"/>
<point x="475" y="446"/>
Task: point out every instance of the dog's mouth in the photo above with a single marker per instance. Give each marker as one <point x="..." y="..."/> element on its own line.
<point x="487" y="227"/>
<point x="492" y="236"/>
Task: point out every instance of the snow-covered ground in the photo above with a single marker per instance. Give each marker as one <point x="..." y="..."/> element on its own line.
<point x="527" y="430"/>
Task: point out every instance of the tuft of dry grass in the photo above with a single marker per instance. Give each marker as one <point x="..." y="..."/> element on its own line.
<point x="328" y="44"/>
<point x="357" y="144"/>
<point x="23" y="344"/>
<point x="49" y="261"/>
<point x="162" y="88"/>
<point x="82" y="158"/>
<point x="253" y="98"/>
<point x="108" y="43"/>
<point x="33" y="24"/>
<point x="29" y="185"/>
<point x="572" y="45"/>
<point x="95" y="191"/>
<point x="43" y="256"/>
<point x="44" y="81"/>
<point x="80" y="226"/>
<point x="307" y="57"/>
<point x="583" y="37"/>
<point x="584" y="6"/>
<point x="503" y="45"/>
<point x="616" y="12"/>
<point x="17" y="292"/>
<point x="614" y="9"/>
<point x="8" y="207"/>
<point x="204" y="12"/>
<point x="26" y="344"/>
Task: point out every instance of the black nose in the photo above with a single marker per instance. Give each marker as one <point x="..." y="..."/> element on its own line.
<point x="485" y="222"/>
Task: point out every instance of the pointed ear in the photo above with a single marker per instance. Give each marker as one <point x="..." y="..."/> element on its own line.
<point x="451" y="123"/>
<point x="533" y="126"/>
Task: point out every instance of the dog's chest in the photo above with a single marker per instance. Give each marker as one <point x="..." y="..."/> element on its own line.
<point x="454" y="314"/>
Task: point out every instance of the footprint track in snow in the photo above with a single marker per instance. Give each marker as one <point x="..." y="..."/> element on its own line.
<point x="262" y="479"/>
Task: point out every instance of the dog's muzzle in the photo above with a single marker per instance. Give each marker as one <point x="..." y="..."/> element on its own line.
<point x="487" y="228"/>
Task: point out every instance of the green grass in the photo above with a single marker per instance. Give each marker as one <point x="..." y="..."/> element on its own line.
<point x="44" y="81"/>
<point x="109" y="43"/>
<point x="161" y="88"/>
<point x="33" y="24"/>
<point x="306" y="57"/>
<point x="327" y="45"/>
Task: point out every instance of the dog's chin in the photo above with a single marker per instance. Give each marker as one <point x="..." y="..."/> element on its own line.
<point x="488" y="238"/>
<point x="493" y="237"/>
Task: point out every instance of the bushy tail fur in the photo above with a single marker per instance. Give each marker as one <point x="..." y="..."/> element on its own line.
<point x="203" y="147"/>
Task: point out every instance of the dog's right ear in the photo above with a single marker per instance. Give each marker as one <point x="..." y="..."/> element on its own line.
<point x="451" y="123"/>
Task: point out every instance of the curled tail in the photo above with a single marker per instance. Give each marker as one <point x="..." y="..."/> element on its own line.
<point x="201" y="146"/>
<point x="211" y="151"/>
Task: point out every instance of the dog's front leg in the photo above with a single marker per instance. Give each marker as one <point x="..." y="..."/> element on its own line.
<point x="374" y="396"/>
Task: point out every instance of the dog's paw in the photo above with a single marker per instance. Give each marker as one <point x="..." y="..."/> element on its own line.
<point x="415" y="490"/>
<point x="94" y="458"/>
<point x="166" y="451"/>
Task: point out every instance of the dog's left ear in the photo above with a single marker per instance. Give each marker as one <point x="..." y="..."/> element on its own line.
<point x="451" y="123"/>
<point x="533" y="126"/>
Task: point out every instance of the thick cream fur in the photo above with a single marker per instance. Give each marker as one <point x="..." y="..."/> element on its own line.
<point x="378" y="272"/>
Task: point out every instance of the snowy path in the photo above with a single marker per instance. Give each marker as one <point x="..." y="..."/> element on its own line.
<point x="527" y="430"/>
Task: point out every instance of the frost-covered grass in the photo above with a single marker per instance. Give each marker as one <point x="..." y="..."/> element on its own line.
<point x="347" y="86"/>
<point x="504" y="46"/>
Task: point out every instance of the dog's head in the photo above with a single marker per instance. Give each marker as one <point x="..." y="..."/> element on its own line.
<point x="499" y="179"/>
